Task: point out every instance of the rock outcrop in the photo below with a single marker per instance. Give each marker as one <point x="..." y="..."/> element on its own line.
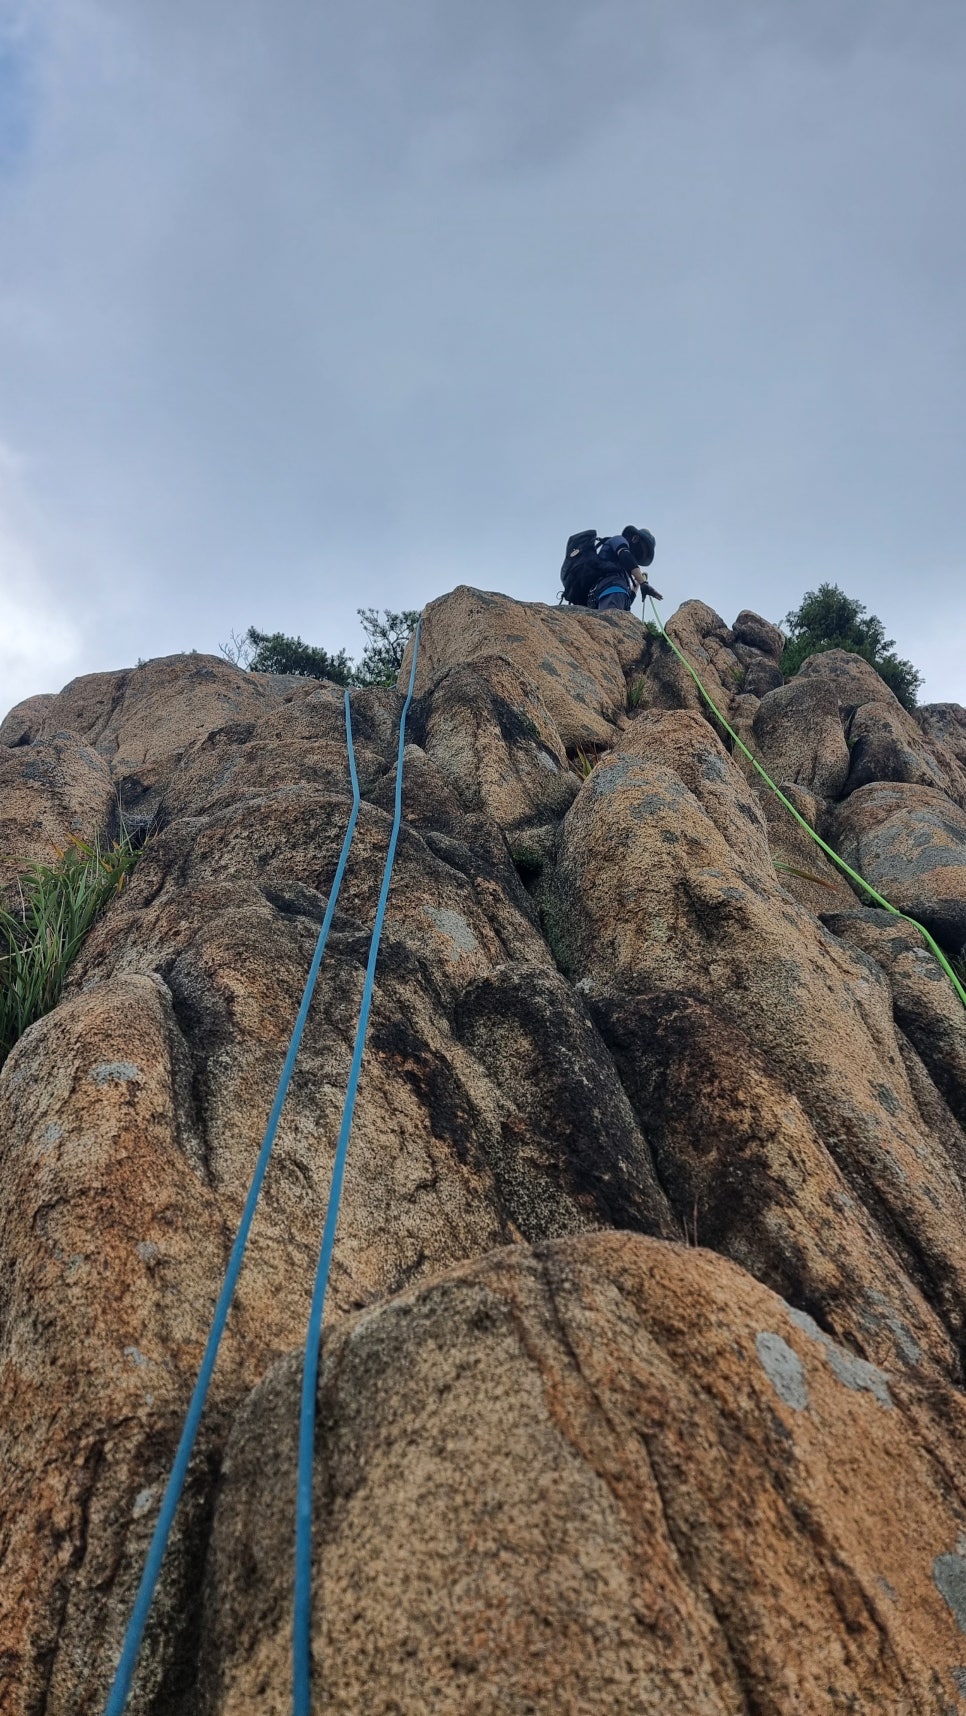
<point x="642" y="1387"/>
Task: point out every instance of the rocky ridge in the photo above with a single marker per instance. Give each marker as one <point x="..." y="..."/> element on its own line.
<point x="643" y="1385"/>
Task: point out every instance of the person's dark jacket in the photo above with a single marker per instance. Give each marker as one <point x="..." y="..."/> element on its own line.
<point x="614" y="555"/>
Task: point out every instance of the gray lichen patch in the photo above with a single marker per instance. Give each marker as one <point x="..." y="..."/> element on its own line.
<point x="115" y="1072"/>
<point x="784" y="1369"/>
<point x="854" y="1372"/>
<point x="949" y="1574"/>
<point x="456" y="930"/>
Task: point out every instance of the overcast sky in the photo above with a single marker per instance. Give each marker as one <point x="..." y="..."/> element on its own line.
<point x="309" y="306"/>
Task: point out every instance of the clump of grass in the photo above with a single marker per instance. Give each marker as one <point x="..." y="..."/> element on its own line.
<point x="584" y="761"/>
<point x="41" y="937"/>
<point x="805" y="875"/>
<point x="635" y="691"/>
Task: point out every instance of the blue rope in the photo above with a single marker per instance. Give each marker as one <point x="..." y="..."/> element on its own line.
<point x="302" y="1617"/>
<point x="124" y="1674"/>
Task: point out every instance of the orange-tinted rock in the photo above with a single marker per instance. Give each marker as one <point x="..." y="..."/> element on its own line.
<point x="606" y="1014"/>
<point x="853" y="679"/>
<point x="798" y="737"/>
<point x="666" y="884"/>
<point x="578" y="659"/>
<point x="489" y="730"/>
<point x="609" y="1475"/>
<point x="51" y="792"/>
<point x="25" y="720"/>
<point x="926" y="1005"/>
<point x="910" y="843"/>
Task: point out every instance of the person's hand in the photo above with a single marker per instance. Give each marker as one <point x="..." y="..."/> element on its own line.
<point x="647" y="590"/>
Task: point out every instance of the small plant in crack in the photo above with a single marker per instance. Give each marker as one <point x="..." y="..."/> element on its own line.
<point x="43" y="932"/>
<point x="690" y="1233"/>
<point x="585" y="760"/>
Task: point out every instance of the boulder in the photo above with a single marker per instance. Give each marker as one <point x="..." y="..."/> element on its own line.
<point x="24" y="721"/>
<point x="665" y="883"/>
<point x="885" y="744"/>
<point x="747" y="1175"/>
<point x="799" y="738"/>
<point x="758" y="634"/>
<point x="704" y="638"/>
<point x="853" y="679"/>
<point x="909" y="842"/>
<point x="926" y="1005"/>
<point x="50" y="792"/>
<point x="579" y="658"/>
<point x="944" y="728"/>
<point x="945" y="724"/>
<point x="762" y="676"/>
<point x="141" y="720"/>
<point x="489" y="730"/>
<point x="629" y="1402"/>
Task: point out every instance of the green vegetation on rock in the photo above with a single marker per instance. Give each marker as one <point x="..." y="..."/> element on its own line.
<point x="275" y="652"/>
<point x="41" y="937"/>
<point x="828" y="619"/>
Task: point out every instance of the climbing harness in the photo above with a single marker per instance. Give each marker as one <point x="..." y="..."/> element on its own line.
<point x="134" y="1634"/>
<point x="829" y="851"/>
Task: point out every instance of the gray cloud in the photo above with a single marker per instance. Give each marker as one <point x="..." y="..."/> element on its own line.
<point x="304" y="308"/>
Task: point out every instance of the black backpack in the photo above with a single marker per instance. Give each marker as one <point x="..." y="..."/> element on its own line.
<point x="581" y="568"/>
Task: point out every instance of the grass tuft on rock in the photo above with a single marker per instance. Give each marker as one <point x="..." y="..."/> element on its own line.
<point x="42" y="935"/>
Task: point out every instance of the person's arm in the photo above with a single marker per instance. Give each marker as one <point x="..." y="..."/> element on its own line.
<point x="625" y="558"/>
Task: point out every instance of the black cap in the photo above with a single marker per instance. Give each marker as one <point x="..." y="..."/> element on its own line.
<point x="646" y="540"/>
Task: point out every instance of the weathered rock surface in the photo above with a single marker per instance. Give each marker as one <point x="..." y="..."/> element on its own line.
<point x="579" y="659"/>
<point x="926" y="1006"/>
<point x="799" y="737"/>
<point x="758" y="634"/>
<point x="565" y="1461"/>
<point x="539" y="1483"/>
<point x="910" y="843"/>
<point x="50" y="792"/>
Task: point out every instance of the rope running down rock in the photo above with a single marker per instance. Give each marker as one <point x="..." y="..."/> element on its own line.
<point x="124" y="1674"/>
<point x="302" y="1617"/>
<point x="828" y="850"/>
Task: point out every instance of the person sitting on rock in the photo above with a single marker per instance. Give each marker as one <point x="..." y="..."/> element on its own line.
<point x="622" y="560"/>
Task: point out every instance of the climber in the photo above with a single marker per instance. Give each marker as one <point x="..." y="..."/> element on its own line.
<point x="607" y="572"/>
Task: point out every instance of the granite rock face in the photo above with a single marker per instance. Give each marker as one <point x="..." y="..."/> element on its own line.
<point x="909" y="841"/>
<point x="666" y="1522"/>
<point x="642" y="1386"/>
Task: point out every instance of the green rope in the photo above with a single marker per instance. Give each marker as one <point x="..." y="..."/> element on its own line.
<point x="828" y="850"/>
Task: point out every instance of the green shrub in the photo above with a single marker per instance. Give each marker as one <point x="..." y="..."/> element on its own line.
<point x="274" y="652"/>
<point x="38" y="942"/>
<point x="828" y="619"/>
